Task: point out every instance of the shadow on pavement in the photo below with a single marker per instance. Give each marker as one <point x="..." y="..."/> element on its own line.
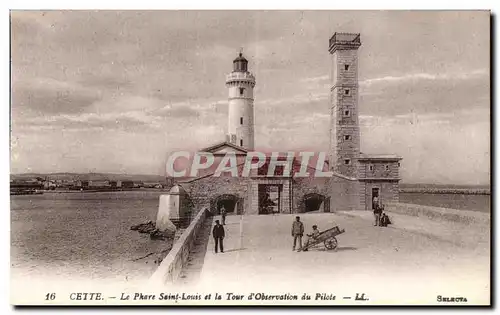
<point x="234" y="250"/>
<point x="338" y="249"/>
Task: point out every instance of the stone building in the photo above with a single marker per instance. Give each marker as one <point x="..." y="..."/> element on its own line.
<point x="356" y="177"/>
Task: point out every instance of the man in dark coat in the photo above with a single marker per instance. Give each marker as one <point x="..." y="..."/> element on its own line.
<point x="218" y="234"/>
<point x="384" y="220"/>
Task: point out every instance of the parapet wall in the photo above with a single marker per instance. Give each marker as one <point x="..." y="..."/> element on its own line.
<point x="171" y="267"/>
<point x="439" y="214"/>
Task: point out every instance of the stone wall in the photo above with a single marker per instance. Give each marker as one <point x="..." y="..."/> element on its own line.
<point x="204" y="190"/>
<point x="307" y="185"/>
<point x="344" y="113"/>
<point x="340" y="59"/>
<point x="171" y="267"/>
<point x="388" y="192"/>
<point x="439" y="214"/>
<point x="378" y="169"/>
<point x="345" y="194"/>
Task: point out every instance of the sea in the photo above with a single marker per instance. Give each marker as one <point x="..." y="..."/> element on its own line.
<point x="455" y="201"/>
<point x="84" y="235"/>
<point x="87" y="234"/>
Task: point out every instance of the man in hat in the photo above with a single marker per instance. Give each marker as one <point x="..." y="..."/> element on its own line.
<point x="218" y="234"/>
<point x="310" y="237"/>
<point x="297" y="232"/>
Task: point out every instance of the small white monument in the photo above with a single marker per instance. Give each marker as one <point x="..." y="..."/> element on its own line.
<point x="172" y="209"/>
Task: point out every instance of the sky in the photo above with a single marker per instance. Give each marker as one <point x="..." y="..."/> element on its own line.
<point x="117" y="91"/>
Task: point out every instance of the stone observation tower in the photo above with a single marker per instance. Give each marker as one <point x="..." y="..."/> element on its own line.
<point x="344" y="125"/>
<point x="240" y="83"/>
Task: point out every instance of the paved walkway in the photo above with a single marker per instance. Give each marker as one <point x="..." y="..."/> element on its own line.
<point x="474" y="236"/>
<point x="388" y="264"/>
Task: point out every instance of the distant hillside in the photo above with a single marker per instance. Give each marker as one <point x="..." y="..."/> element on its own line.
<point x="90" y="176"/>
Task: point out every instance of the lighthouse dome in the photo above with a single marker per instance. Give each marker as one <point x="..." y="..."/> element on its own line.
<point x="240" y="64"/>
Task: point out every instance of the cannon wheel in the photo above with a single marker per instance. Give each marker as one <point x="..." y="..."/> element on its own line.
<point x="331" y="243"/>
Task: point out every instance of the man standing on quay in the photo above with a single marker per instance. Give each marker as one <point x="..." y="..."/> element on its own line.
<point x="377" y="211"/>
<point x="218" y="234"/>
<point x="297" y="232"/>
<point x="223" y="214"/>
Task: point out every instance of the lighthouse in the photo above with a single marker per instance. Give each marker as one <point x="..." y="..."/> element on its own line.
<point x="240" y="83"/>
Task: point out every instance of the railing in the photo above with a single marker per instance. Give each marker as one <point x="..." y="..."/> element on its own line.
<point x="345" y="38"/>
<point x="247" y="76"/>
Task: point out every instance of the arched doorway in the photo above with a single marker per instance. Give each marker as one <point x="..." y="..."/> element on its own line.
<point x="230" y="202"/>
<point x="315" y="202"/>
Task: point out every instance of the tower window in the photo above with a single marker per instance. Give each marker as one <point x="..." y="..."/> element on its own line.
<point x="347" y="137"/>
<point x="371" y="167"/>
<point x="387" y="167"/>
<point x="241" y="142"/>
<point x="241" y="91"/>
<point x="347" y="113"/>
<point x="347" y="161"/>
<point x="346" y="91"/>
<point x="399" y="164"/>
<point x="241" y="120"/>
<point x="346" y="67"/>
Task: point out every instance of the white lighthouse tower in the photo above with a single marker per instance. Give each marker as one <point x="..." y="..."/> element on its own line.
<point x="240" y="83"/>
